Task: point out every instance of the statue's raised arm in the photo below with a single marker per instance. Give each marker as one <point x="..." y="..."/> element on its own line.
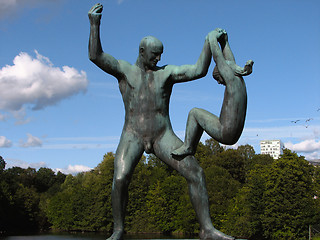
<point x="186" y="73"/>
<point x="103" y="60"/>
<point x="224" y="58"/>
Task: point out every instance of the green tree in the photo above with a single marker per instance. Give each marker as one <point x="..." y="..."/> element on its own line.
<point x="234" y="162"/>
<point x="59" y="209"/>
<point x="206" y="153"/>
<point x="289" y="202"/>
<point x="163" y="203"/>
<point x="261" y="160"/>
<point x="247" y="208"/>
<point x="221" y="189"/>
<point x="2" y="164"/>
<point x="3" y="196"/>
<point x="19" y="200"/>
<point x="105" y="177"/>
<point x="246" y="151"/>
<point x="5" y="202"/>
<point x="137" y="216"/>
<point x="214" y="146"/>
<point x="22" y="202"/>
<point x="187" y="221"/>
<point x="248" y="154"/>
<point x="316" y="180"/>
<point x="84" y="202"/>
<point x="26" y="211"/>
<point x="44" y="179"/>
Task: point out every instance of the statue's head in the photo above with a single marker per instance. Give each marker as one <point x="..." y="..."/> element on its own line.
<point x="238" y="71"/>
<point x="150" y="50"/>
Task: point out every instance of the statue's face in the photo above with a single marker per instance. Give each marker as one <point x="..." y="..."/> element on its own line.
<point x="152" y="54"/>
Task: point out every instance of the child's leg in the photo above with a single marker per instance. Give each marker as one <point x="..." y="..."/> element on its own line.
<point x="226" y="129"/>
<point x="198" y="120"/>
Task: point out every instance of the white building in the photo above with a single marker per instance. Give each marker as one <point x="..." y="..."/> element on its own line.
<point x="272" y="147"/>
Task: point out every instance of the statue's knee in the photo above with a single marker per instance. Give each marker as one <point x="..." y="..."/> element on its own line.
<point x="196" y="175"/>
<point x="230" y="138"/>
<point x="120" y="181"/>
<point x="193" y="111"/>
<point x="200" y="172"/>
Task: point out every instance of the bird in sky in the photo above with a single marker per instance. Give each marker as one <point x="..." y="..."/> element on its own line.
<point x="295" y="121"/>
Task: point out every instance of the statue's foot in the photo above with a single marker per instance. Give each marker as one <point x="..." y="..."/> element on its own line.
<point x="214" y="234"/>
<point x="116" y="235"/>
<point x="181" y="152"/>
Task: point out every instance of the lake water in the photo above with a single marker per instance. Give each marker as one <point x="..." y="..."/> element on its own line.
<point x="85" y="236"/>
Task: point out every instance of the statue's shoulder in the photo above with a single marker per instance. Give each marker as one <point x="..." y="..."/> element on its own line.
<point x="125" y="66"/>
<point x="170" y="68"/>
<point x="124" y="63"/>
<point x="165" y="72"/>
<point x="165" y="68"/>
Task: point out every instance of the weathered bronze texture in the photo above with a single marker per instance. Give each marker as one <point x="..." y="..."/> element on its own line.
<point x="146" y="90"/>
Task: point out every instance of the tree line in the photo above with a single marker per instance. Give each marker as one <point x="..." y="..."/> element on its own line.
<point x="251" y="196"/>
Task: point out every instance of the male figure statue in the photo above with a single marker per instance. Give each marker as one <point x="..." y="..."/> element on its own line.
<point x="146" y="90"/>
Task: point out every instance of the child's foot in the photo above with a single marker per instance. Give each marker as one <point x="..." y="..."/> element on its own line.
<point x="182" y="152"/>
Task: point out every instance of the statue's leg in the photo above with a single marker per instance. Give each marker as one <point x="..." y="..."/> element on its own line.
<point x="233" y="111"/>
<point x="127" y="156"/>
<point x="190" y="169"/>
<point x="198" y="121"/>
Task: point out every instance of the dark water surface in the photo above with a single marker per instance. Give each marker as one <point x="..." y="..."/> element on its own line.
<point x="86" y="236"/>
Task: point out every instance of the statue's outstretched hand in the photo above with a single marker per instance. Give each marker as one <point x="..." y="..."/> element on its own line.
<point x="95" y="13"/>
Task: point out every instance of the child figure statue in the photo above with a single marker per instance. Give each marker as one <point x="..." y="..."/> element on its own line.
<point x="228" y="127"/>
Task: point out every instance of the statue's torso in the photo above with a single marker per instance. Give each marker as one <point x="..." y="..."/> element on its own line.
<point x="146" y="97"/>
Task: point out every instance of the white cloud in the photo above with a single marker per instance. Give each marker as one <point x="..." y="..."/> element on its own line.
<point x="37" y="82"/>
<point x="307" y="146"/>
<point x="8" y="8"/>
<point x="68" y="170"/>
<point x="20" y="117"/>
<point x="19" y="163"/>
<point x="32" y="141"/>
<point x="7" y="5"/>
<point x="313" y="156"/>
<point x="4" y="142"/>
<point x="73" y="169"/>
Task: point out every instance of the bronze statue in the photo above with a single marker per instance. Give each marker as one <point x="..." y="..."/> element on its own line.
<point x="146" y="90"/>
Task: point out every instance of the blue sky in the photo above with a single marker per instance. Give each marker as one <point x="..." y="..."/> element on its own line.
<point x="59" y="110"/>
